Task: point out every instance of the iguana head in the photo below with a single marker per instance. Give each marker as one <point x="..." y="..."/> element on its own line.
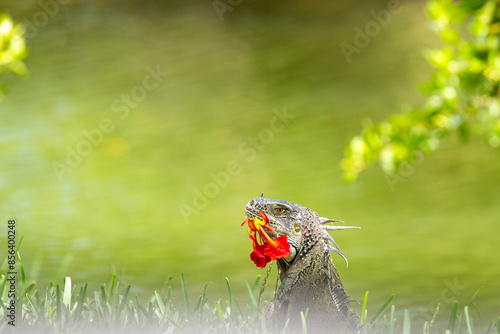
<point x="303" y="228"/>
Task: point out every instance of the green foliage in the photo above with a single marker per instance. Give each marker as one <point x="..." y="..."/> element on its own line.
<point x="69" y="309"/>
<point x="12" y="49"/>
<point x="463" y="93"/>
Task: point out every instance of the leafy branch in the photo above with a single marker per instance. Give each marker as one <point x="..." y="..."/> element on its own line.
<point x="463" y="92"/>
<point x="12" y="49"/>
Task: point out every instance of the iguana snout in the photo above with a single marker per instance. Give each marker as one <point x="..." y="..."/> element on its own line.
<point x="283" y="217"/>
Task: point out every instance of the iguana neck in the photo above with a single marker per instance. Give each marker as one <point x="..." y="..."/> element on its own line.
<point x="312" y="282"/>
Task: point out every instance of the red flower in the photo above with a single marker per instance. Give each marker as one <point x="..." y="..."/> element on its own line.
<point x="265" y="249"/>
<point x="282" y="248"/>
<point x="259" y="259"/>
<point x="258" y="256"/>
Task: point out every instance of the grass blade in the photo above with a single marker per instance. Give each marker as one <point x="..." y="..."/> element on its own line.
<point x="406" y="323"/>
<point x="123" y="301"/>
<point x="104" y="298"/>
<point x="2" y="287"/>
<point x="32" y="306"/>
<point x="19" y="244"/>
<point x="185" y="295"/>
<point x="253" y="301"/>
<point x="363" y="309"/>
<point x="198" y="303"/>
<point x="23" y="274"/>
<point x="256" y="285"/>
<point x="219" y="311"/>
<point x="392" y="319"/>
<point x="58" y="302"/>
<point x="30" y="288"/>
<point x="112" y="289"/>
<point x="161" y="306"/>
<point x="167" y="302"/>
<point x="230" y="296"/>
<point x="473" y="297"/>
<point x="203" y="301"/>
<point x="67" y="293"/>
<point x="489" y="330"/>
<point x="481" y="326"/>
<point x="81" y="300"/>
<point x="427" y="327"/>
<point x="468" y="320"/>
<point x="460" y="324"/>
<point x="142" y="309"/>
<point x="98" y="304"/>
<point x="304" y="324"/>
<point x="382" y="309"/>
<point x="453" y="317"/>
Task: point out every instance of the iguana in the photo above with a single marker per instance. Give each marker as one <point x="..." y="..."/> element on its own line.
<point x="310" y="283"/>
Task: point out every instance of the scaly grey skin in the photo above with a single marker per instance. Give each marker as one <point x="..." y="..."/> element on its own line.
<point x="309" y="279"/>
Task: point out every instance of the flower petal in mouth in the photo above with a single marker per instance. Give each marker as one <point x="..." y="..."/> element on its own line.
<point x="265" y="249"/>
<point x="281" y="250"/>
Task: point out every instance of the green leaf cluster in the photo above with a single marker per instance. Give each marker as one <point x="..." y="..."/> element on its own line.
<point x="12" y="49"/>
<point x="463" y="93"/>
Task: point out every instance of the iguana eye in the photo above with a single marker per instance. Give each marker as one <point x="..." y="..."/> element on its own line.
<point x="279" y="209"/>
<point x="296" y="228"/>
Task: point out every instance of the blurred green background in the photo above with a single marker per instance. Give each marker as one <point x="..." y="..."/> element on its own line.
<point x="433" y="237"/>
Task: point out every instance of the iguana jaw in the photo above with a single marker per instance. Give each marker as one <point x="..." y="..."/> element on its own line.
<point x="283" y="217"/>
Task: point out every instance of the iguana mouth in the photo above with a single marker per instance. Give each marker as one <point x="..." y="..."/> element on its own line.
<point x="250" y="213"/>
<point x="266" y="246"/>
<point x="277" y="228"/>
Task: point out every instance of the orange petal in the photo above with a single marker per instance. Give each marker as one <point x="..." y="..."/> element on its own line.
<point x="264" y="216"/>
<point x="281" y="250"/>
<point x="268" y="239"/>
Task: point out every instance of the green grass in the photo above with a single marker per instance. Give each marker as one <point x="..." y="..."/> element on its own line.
<point x="67" y="308"/>
<point x="72" y="309"/>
